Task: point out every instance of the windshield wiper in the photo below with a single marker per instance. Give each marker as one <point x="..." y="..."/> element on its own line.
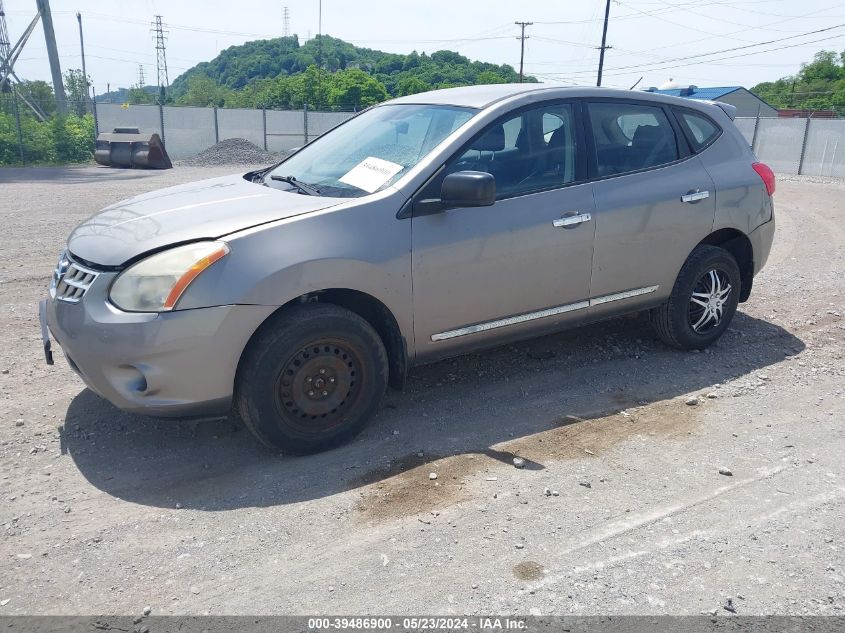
<point x="304" y="187"/>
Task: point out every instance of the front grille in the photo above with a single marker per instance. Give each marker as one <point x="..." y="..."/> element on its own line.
<point x="71" y="280"/>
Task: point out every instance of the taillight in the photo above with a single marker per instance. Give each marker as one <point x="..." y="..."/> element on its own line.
<point x="767" y="175"/>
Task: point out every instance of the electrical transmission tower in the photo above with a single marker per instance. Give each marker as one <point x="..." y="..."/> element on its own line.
<point x="9" y="80"/>
<point x="142" y="81"/>
<point x="5" y="45"/>
<point x="161" y="58"/>
<point x="286" y="22"/>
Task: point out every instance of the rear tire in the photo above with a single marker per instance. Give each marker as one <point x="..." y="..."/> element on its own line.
<point x="703" y="300"/>
<point x="311" y="378"/>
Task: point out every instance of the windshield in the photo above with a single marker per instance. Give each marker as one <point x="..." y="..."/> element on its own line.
<point x="371" y="151"/>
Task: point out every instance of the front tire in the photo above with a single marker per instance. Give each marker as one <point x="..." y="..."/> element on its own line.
<point x="703" y="300"/>
<point x="311" y="378"/>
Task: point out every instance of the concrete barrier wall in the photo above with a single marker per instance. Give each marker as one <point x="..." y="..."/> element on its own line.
<point x="780" y="143"/>
<point x="813" y="147"/>
<point x="187" y="130"/>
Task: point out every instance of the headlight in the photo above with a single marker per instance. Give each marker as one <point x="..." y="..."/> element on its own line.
<point x="155" y="284"/>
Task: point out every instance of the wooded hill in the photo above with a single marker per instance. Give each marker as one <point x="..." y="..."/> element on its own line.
<point x="282" y="73"/>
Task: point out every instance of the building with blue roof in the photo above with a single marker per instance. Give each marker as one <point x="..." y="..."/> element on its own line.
<point x="747" y="103"/>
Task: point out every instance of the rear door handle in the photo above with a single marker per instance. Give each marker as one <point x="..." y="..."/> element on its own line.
<point x="695" y="196"/>
<point x="572" y="220"/>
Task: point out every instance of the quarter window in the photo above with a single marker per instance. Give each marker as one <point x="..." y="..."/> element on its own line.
<point x="629" y="137"/>
<point x="701" y="130"/>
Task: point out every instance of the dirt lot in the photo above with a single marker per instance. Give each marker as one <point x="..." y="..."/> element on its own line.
<point x="620" y="508"/>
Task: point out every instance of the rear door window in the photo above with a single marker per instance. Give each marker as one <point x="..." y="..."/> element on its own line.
<point x="630" y="137"/>
<point x="700" y="130"/>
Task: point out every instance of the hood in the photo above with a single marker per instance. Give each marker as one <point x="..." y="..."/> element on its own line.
<point x="201" y="210"/>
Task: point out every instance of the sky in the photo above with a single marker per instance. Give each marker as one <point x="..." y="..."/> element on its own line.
<point x="703" y="42"/>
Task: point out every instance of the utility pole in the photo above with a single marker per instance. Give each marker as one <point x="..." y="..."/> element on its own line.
<point x="319" y="51"/>
<point x="522" y="37"/>
<point x="285" y="22"/>
<point x="161" y="59"/>
<point x="82" y="52"/>
<point x="53" y="55"/>
<point x="604" y="45"/>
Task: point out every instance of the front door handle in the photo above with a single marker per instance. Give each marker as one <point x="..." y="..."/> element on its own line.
<point x="572" y="220"/>
<point x="695" y="196"/>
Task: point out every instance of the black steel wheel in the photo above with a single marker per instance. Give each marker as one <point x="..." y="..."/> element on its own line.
<point x="311" y="378"/>
<point x="318" y="383"/>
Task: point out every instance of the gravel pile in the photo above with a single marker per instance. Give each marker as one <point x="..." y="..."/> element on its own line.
<point x="232" y="151"/>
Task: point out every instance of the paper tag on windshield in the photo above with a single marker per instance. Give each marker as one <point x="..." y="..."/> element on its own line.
<point x="371" y="173"/>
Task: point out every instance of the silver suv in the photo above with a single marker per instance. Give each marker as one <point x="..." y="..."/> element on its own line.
<point x="425" y="227"/>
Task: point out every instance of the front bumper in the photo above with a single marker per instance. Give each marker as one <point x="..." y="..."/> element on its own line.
<point x="173" y="364"/>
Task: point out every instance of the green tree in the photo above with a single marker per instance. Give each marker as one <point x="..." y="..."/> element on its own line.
<point x="76" y="90"/>
<point x="138" y="95"/>
<point x="355" y="88"/>
<point x="490" y="77"/>
<point x="204" y="91"/>
<point x="819" y="85"/>
<point x="41" y="93"/>
<point x="411" y="86"/>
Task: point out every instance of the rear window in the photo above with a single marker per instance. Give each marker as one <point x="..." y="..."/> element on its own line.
<point x="630" y="137"/>
<point x="700" y="130"/>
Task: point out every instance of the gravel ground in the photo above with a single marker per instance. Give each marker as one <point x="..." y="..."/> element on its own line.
<point x="620" y="507"/>
<point x="231" y="151"/>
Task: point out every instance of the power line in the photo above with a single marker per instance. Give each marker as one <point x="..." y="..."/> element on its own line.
<point x="559" y="41"/>
<point x="522" y="37"/>
<point x="729" y="50"/>
<point x="708" y="61"/>
<point x="656" y="15"/>
<point x="761" y="27"/>
<point x="640" y="14"/>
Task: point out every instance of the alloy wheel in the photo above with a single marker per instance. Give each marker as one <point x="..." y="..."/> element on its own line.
<point x="708" y="300"/>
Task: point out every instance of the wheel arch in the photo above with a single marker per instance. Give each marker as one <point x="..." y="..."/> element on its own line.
<point x="737" y="244"/>
<point x="369" y="308"/>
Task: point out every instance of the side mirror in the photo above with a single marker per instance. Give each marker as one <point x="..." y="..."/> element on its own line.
<point x="468" y="189"/>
